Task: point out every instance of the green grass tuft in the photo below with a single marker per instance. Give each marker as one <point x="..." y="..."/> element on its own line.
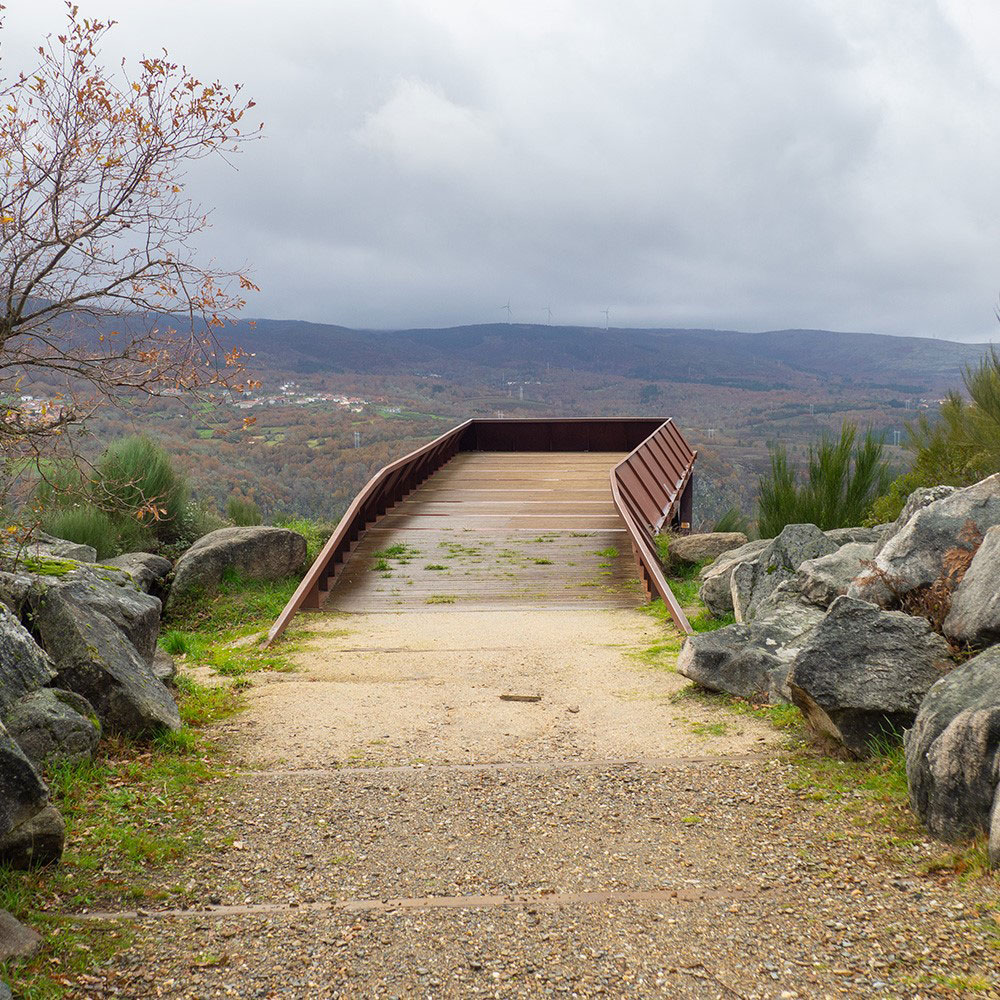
<point x="246" y="605"/>
<point x="133" y="808"/>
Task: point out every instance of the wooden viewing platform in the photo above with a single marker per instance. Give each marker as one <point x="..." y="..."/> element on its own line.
<point x="511" y="513"/>
<point x="497" y="530"/>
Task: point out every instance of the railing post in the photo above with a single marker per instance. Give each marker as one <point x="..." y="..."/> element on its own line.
<point x="687" y="505"/>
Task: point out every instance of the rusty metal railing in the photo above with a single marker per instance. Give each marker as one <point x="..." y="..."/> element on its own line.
<point x="652" y="489"/>
<point x="387" y="487"/>
<point x="613" y="434"/>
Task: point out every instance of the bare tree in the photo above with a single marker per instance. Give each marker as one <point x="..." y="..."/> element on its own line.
<point x="102" y="297"/>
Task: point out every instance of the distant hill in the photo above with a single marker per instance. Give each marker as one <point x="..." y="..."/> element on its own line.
<point x="775" y="359"/>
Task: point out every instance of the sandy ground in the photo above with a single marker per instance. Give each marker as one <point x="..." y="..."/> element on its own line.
<point x="416" y="687"/>
<point x="398" y="831"/>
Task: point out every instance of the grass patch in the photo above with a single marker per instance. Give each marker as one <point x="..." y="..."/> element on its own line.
<point x="784" y="717"/>
<point x="200" y="705"/>
<point x="543" y="562"/>
<point x="316" y="533"/>
<point x="705" y="621"/>
<point x="133" y="808"/>
<point x="235" y="652"/>
<point x="178" y="643"/>
<point x="684" y="584"/>
<point x="609" y="553"/>
<point x="238" y="605"/>
<point x="441" y="599"/>
<point x="709" y="728"/>
<point x="872" y="794"/>
<point x="436" y="567"/>
<point x="80" y="948"/>
<point x="661" y="654"/>
<point x="968" y="984"/>
<point x="971" y="860"/>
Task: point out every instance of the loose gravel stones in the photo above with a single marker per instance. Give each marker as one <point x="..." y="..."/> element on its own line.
<point x="705" y="875"/>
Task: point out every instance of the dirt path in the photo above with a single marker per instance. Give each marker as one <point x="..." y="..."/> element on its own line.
<point x="398" y="830"/>
<point x="403" y="688"/>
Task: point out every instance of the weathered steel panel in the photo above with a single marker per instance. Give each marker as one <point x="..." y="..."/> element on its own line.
<point x="651" y="487"/>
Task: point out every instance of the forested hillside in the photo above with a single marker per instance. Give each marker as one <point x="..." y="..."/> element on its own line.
<point x="780" y="358"/>
<point x="733" y="393"/>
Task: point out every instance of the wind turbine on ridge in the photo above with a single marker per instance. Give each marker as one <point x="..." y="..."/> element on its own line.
<point x="507" y="307"/>
<point x="607" y="316"/>
<point x="548" y="311"/>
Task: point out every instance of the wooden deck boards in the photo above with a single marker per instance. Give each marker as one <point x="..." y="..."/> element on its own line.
<point x="497" y="530"/>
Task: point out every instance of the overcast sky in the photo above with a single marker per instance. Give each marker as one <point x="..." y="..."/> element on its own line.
<point x="780" y="163"/>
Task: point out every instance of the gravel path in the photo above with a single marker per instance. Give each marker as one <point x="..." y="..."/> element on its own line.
<point x="473" y="847"/>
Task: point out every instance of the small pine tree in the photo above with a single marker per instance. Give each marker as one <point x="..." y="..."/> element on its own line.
<point x="243" y="513"/>
<point x="135" y="478"/>
<point x="844" y="476"/>
<point x="963" y="445"/>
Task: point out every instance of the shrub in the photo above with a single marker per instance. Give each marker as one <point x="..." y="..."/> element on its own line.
<point x="243" y="513"/>
<point x="843" y="479"/>
<point x="135" y="477"/>
<point x="733" y="520"/>
<point x="133" y="499"/>
<point x="60" y="485"/>
<point x="963" y="446"/>
<point x="889" y="506"/>
<point x="316" y="534"/>
<point x="960" y="448"/>
<point x="109" y="534"/>
<point x="933" y="601"/>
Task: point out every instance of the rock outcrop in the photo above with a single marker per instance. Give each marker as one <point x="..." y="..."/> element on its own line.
<point x="953" y="750"/>
<point x="716" y="577"/>
<point x="37" y="841"/>
<point x="752" y="582"/>
<point x="826" y="578"/>
<point x="913" y="557"/>
<point x="866" y="536"/>
<point x="974" y="617"/>
<point x="52" y="724"/>
<point x="862" y="673"/>
<point x="31" y="829"/>
<point x="43" y="546"/>
<point x="164" y="668"/>
<point x="255" y="553"/>
<point x="691" y="549"/>
<point x="23" y="666"/>
<point x="16" y="939"/>
<point x="147" y="570"/>
<point x="917" y="500"/>
<point x="100" y="633"/>
<point x="751" y="660"/>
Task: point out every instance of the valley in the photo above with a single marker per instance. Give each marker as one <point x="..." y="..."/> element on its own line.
<point x="337" y="404"/>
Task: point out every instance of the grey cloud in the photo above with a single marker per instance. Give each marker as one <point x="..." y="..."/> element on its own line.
<point x="783" y="163"/>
